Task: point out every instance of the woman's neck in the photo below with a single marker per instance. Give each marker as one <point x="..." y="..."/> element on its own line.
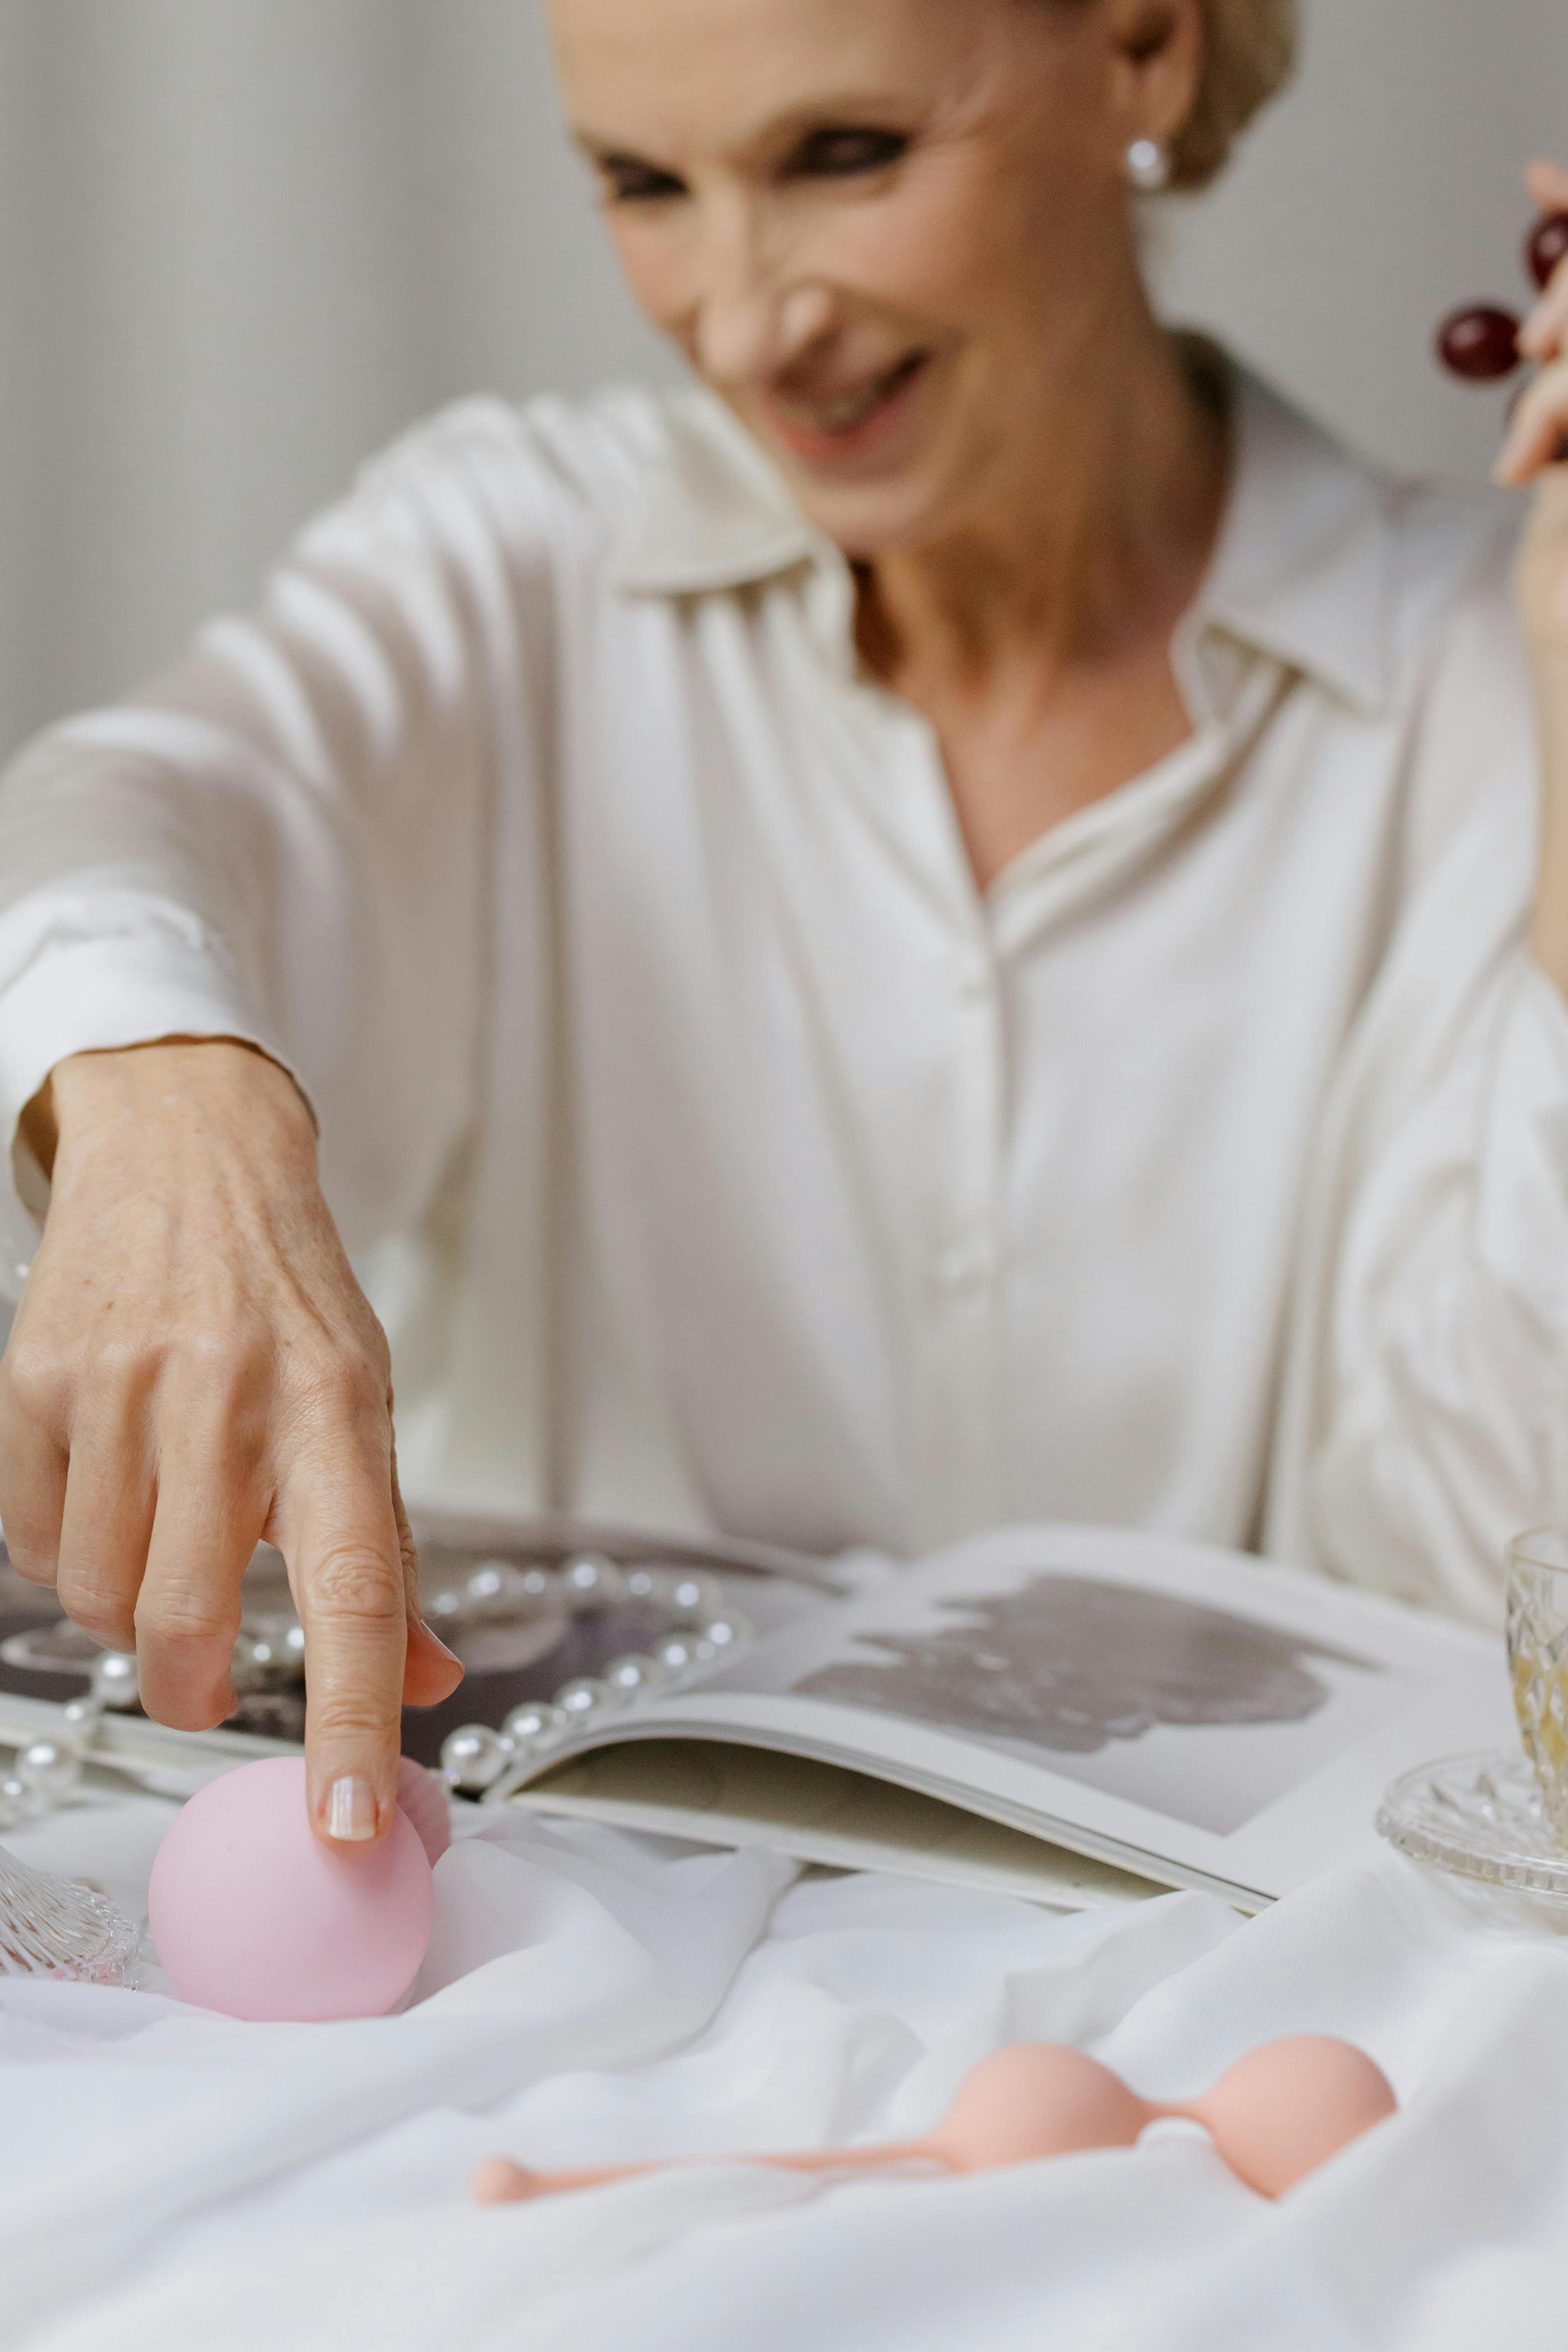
<point x="1095" y="540"/>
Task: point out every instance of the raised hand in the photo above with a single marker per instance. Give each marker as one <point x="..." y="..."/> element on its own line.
<point x="1535" y="433"/>
<point x="1533" y="453"/>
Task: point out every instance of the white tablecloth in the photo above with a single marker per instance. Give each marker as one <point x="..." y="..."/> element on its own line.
<point x="170" y="2180"/>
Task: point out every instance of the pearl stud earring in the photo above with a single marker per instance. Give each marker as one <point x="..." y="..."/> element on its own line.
<point x="1149" y="166"/>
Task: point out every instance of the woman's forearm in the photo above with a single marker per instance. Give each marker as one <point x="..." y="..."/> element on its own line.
<point x="1548" y="924"/>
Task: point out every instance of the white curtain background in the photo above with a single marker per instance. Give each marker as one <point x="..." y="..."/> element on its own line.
<point x="242" y="242"/>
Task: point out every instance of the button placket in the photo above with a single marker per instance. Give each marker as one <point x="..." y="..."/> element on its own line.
<point x="965" y="1264"/>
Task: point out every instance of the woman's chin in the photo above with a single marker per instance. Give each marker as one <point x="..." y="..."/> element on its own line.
<point x="871" y="520"/>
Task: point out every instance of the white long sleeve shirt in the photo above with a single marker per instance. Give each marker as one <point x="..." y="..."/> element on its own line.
<point x="719" y="1155"/>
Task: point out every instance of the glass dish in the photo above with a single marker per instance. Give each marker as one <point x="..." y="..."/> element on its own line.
<point x="1479" y="1817"/>
<point x="1502" y="1816"/>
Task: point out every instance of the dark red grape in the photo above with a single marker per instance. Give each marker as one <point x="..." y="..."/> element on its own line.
<point x="1547" y="244"/>
<point x="1481" y="343"/>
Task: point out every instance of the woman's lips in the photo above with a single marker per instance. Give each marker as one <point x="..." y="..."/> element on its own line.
<point x="849" y="423"/>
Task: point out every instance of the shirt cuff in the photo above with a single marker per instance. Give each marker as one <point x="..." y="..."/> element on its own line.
<point x="92" y="997"/>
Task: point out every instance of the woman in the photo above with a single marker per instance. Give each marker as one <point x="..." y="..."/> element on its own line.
<point x="933" y="934"/>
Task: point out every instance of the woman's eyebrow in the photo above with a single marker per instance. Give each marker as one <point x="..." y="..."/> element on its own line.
<point x="779" y="131"/>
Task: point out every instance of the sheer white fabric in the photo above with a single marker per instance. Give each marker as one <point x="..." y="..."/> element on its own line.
<point x="717" y="1154"/>
<point x="171" y="2178"/>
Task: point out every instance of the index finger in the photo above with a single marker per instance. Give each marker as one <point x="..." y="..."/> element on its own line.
<point x="1535" y="437"/>
<point x="337" y="1527"/>
<point x="1543" y="332"/>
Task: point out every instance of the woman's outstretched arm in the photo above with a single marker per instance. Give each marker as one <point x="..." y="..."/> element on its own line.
<point x="1534" y="453"/>
<point x="241" y="923"/>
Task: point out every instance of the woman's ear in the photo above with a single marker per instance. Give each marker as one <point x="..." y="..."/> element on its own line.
<point x="1156" y="58"/>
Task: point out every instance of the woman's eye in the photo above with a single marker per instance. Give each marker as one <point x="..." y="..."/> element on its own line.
<point x="628" y="182"/>
<point x="838" y="153"/>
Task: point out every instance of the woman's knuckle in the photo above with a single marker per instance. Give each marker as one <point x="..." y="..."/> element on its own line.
<point x="357" y="1581"/>
<point x="35" y="1562"/>
<point x="34" y="1378"/>
<point x="347" y="1720"/>
<point x="106" y="1615"/>
<point x="185" y="1616"/>
<point x="116" y="1374"/>
<point x="215" y="1350"/>
<point x="340" y="1384"/>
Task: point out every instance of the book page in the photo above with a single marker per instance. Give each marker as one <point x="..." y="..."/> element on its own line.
<point x="822" y="1814"/>
<point x="1142" y="1700"/>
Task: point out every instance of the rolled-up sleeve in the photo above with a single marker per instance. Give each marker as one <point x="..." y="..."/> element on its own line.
<point x="1432" y="1400"/>
<point x="283" y="840"/>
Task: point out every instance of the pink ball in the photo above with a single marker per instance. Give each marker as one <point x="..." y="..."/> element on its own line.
<point x="422" y="1797"/>
<point x="253" y="1915"/>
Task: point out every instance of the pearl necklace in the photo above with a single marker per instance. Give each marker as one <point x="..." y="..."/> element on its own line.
<point x="269" y="1656"/>
<point x="703" y="1631"/>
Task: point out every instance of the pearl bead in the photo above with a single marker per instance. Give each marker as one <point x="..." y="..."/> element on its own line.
<point x="535" y="1726"/>
<point x="440" y="1608"/>
<point x="255" y="1661"/>
<point x="84" y="1716"/>
<point x="694" y="1595"/>
<point x="677" y="1653"/>
<point x="473" y="1759"/>
<point x="49" y="1769"/>
<point x="116" y="1680"/>
<point x="495" y="1589"/>
<point x="630" y="1676"/>
<point x="642" y="1583"/>
<point x="582" y="1698"/>
<point x="592" y="1583"/>
<point x="294" y="1642"/>
<point x="1481" y="344"/>
<point x="728" y="1632"/>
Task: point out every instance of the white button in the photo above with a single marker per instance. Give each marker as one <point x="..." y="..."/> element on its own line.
<point x="963" y="1266"/>
<point x="975" y="981"/>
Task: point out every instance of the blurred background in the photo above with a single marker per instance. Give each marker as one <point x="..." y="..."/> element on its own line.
<point x="243" y="242"/>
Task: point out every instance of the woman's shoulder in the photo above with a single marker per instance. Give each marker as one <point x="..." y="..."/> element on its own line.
<point x="577" y="474"/>
<point x="1379" y="565"/>
<point x="1451" y="551"/>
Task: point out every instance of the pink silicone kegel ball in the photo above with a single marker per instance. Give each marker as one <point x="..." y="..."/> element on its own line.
<point x="421" y="1796"/>
<point x="253" y="1915"/>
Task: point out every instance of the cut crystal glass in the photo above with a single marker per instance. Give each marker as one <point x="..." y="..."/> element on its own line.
<point x="51" y="1928"/>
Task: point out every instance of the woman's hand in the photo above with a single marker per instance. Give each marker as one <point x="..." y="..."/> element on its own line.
<point x="1533" y="453"/>
<point x="193" y="1369"/>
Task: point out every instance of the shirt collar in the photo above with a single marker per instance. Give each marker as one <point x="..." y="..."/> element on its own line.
<point x="1303" y="567"/>
<point x="1301" y="571"/>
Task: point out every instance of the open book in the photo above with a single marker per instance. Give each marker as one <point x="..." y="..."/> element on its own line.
<point x="1075" y="1714"/>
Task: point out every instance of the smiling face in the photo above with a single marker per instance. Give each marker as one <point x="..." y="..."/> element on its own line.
<point x="894" y="235"/>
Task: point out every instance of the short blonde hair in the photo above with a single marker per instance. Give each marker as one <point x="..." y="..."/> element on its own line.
<point x="1250" y="51"/>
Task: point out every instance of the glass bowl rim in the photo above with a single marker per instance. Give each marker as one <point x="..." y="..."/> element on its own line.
<point x="1518" y="1555"/>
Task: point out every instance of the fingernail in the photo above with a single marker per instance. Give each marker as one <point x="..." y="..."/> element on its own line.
<point x="351" y="1811"/>
<point x="433" y="1638"/>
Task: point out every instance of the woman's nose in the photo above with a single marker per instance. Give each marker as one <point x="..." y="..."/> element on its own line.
<point x="750" y="331"/>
